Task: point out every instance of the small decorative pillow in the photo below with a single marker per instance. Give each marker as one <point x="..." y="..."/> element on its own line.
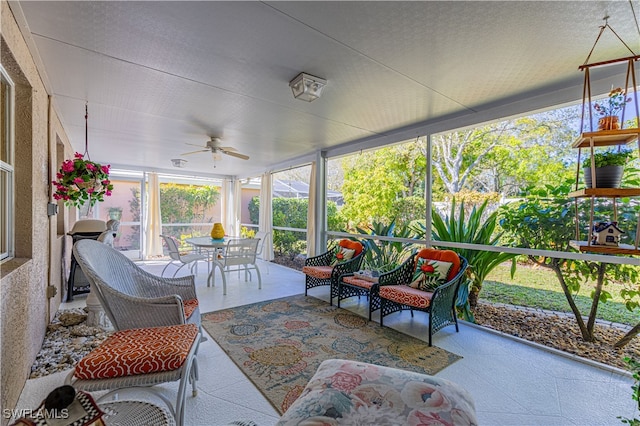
<point x="430" y="274"/>
<point x="342" y="254"/>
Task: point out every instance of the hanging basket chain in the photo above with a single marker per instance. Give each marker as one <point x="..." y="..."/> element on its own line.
<point x="602" y="28"/>
<point x="86" y="131"/>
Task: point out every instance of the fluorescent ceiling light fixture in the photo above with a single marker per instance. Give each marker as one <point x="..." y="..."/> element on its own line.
<point x="307" y="87"/>
<point x="178" y="162"/>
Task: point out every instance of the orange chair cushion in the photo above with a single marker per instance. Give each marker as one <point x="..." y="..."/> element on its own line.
<point x="189" y="307"/>
<point x="358" y="282"/>
<point x="138" y="351"/>
<point x="320" y="272"/>
<point x="444" y="256"/>
<point x="353" y="245"/>
<point x="406" y="295"/>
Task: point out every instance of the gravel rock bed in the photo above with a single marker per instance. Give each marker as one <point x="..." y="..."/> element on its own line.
<point x="559" y="331"/>
<point x="67" y="340"/>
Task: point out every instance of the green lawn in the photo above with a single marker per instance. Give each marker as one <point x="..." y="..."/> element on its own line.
<point x="539" y="288"/>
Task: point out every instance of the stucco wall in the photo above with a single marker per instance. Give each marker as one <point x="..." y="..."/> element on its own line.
<point x="24" y="307"/>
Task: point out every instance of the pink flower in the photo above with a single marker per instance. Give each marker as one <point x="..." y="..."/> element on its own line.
<point x="105" y="182"/>
<point x="68" y="166"/>
<point x="424" y="396"/>
<point x="56" y="196"/>
<point x="368" y="372"/>
<point x="59" y="175"/>
<point x="78" y="155"/>
<point x="108" y="193"/>
<point x="91" y="167"/>
<point x="426" y="418"/>
<point x="91" y="190"/>
<point x="345" y="381"/>
<point x="78" y="180"/>
<point x="105" y="169"/>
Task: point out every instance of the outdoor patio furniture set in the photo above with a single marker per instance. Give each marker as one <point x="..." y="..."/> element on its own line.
<point x="427" y="281"/>
<point x="157" y="323"/>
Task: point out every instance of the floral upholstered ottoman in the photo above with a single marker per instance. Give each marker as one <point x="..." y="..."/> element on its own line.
<point x="354" y="393"/>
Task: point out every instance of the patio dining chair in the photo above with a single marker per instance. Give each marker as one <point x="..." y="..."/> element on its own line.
<point x="180" y="258"/>
<point x="263" y="236"/>
<point x="239" y="255"/>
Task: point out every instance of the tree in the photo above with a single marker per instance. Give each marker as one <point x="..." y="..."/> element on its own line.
<point x="374" y="181"/>
<point x="544" y="220"/>
<point x="506" y="157"/>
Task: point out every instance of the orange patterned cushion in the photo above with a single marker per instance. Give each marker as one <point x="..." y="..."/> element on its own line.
<point x="406" y="295"/>
<point x="321" y="272"/>
<point x="358" y="282"/>
<point x="444" y="256"/>
<point x="138" y="351"/>
<point x="353" y="245"/>
<point x="190" y="306"/>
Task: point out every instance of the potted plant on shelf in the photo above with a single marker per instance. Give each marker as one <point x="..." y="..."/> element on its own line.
<point x="609" y="166"/>
<point x="608" y="110"/>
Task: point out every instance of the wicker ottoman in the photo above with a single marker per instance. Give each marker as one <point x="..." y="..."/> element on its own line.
<point x="347" y="392"/>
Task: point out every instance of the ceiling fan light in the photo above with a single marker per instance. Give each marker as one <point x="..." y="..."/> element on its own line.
<point x="307" y="87"/>
<point x="178" y="162"/>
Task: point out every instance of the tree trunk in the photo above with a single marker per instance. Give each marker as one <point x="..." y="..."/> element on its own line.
<point x="602" y="267"/>
<point x="555" y="267"/>
<point x="627" y="337"/>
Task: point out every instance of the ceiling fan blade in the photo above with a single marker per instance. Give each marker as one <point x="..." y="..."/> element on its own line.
<point x="193" y="144"/>
<point x="227" y="148"/>
<point x="235" y="154"/>
<point x="195" y="152"/>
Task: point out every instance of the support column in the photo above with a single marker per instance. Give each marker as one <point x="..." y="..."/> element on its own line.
<point x="321" y="202"/>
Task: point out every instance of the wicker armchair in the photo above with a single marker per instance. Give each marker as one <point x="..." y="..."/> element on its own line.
<point x="396" y="295"/>
<point x="132" y="297"/>
<point x="319" y="271"/>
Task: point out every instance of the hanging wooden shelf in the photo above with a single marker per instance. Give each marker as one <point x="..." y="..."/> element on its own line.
<point x="583" y="246"/>
<point x="605" y="192"/>
<point x="606" y="138"/>
<point x="602" y="138"/>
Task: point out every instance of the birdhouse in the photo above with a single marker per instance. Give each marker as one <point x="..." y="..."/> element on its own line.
<point x="606" y="234"/>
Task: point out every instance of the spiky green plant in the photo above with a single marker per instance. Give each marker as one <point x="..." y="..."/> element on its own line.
<point x="476" y="229"/>
<point x="384" y="255"/>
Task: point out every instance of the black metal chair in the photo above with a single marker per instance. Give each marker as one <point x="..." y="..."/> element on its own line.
<point x="319" y="271"/>
<point x="396" y="295"/>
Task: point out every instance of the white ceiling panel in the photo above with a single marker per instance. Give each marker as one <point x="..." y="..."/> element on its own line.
<point x="158" y="75"/>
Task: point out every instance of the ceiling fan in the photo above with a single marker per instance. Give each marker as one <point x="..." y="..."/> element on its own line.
<point x="213" y="146"/>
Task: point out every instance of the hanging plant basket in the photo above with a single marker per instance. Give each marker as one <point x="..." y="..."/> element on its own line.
<point x="81" y="181"/>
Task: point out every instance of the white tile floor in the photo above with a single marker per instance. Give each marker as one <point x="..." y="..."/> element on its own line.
<point x="512" y="383"/>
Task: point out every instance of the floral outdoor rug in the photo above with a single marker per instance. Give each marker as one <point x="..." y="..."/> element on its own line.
<point x="279" y="344"/>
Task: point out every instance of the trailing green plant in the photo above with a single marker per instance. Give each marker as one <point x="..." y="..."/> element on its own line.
<point x="382" y="255"/>
<point x="478" y="228"/>
<point x="635" y="367"/>
<point x="608" y="158"/>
